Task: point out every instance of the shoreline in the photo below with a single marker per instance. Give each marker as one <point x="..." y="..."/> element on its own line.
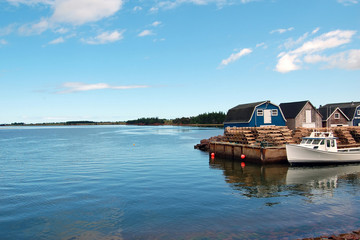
<point x="108" y="123"/>
<point x="342" y="236"/>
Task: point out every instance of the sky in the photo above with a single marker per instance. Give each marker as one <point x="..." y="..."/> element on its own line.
<point x="117" y="60"/>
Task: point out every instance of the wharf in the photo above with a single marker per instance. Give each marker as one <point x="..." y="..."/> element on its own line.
<point x="256" y="154"/>
<point x="267" y="144"/>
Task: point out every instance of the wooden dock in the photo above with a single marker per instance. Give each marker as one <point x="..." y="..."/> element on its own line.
<point x="256" y="154"/>
<point x="267" y="144"/>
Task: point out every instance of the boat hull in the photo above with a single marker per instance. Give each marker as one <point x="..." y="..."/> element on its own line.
<point x="297" y="154"/>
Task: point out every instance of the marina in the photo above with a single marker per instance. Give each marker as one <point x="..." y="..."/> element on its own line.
<point x="179" y="120"/>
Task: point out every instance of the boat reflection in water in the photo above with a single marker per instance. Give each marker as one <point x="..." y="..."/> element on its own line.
<point x="264" y="181"/>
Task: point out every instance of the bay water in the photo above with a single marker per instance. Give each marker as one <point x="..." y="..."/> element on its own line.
<point x="148" y="182"/>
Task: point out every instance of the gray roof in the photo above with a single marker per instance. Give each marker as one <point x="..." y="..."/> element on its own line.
<point x="348" y="108"/>
<point x="292" y="109"/>
<point x="242" y="112"/>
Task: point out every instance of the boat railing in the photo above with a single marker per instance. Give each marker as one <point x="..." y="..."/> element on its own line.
<point x="349" y="150"/>
<point x="321" y="134"/>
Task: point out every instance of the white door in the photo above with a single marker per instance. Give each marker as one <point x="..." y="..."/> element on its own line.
<point x="308" y="116"/>
<point x="267" y="116"/>
<point x="308" y="125"/>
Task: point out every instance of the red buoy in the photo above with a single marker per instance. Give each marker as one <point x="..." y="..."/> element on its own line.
<point x="212" y="155"/>
<point x="243" y="156"/>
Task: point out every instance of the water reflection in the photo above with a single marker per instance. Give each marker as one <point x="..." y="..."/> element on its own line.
<point x="266" y="181"/>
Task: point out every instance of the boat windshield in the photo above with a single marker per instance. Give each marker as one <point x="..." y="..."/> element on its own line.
<point x="312" y="141"/>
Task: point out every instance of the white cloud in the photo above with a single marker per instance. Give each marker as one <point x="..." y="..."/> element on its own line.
<point x="156" y="23"/>
<point x="315" y="30"/>
<point x="31" y="2"/>
<point x="348" y="2"/>
<point x="327" y="40"/>
<point x="61" y="30"/>
<point x="292" y="60"/>
<point x="235" y="56"/>
<point x="344" y="60"/>
<point x="170" y="4"/>
<point x="3" y="42"/>
<point x="260" y="44"/>
<point x="70" y="87"/>
<point x="75" y="12"/>
<point x="282" y="30"/>
<point x="79" y="12"/>
<point x="145" y="33"/>
<point x="159" y="40"/>
<point x="105" y="37"/>
<point x="137" y="8"/>
<point x="287" y="63"/>
<point x="154" y="9"/>
<point x="290" y="43"/>
<point x="7" y="30"/>
<point x="57" y="41"/>
<point x="36" y="28"/>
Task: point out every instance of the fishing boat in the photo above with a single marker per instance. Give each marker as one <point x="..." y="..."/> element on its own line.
<point x="320" y="148"/>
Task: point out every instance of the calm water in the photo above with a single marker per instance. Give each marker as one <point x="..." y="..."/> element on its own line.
<point x="129" y="182"/>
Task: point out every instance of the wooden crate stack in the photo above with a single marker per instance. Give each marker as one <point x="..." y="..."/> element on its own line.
<point x="269" y="136"/>
<point x="344" y="136"/>
<point x="299" y="133"/>
<point x="274" y="135"/>
<point x="287" y="135"/>
<point x="355" y="132"/>
<point x="239" y="135"/>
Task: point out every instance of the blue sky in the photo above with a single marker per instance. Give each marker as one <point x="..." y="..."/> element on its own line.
<point x="115" y="60"/>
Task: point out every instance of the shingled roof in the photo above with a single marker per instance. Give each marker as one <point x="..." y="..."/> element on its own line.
<point x="326" y="113"/>
<point x="348" y="108"/>
<point x="242" y="112"/>
<point x="292" y="109"/>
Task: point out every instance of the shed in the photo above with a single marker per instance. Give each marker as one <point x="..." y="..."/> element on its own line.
<point x="301" y="114"/>
<point x="350" y="109"/>
<point x="333" y="117"/>
<point x="255" y="114"/>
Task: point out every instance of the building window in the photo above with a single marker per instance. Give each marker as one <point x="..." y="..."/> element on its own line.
<point x="260" y="112"/>
<point x="274" y="112"/>
<point x="337" y="115"/>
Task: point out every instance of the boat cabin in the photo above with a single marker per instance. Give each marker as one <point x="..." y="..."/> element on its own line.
<point x="320" y="140"/>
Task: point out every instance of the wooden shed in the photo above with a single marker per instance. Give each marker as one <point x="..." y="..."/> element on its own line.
<point x="333" y="117"/>
<point x="301" y="114"/>
<point x="255" y="114"/>
<point x="350" y="109"/>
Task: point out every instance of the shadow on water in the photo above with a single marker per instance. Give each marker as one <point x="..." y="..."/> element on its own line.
<point x="281" y="180"/>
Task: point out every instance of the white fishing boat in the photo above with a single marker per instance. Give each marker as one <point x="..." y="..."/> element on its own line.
<point x="318" y="148"/>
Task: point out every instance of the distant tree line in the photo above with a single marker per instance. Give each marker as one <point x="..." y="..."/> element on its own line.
<point x="80" y="123"/>
<point x="18" y="124"/>
<point x="147" y="121"/>
<point x="205" y="118"/>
